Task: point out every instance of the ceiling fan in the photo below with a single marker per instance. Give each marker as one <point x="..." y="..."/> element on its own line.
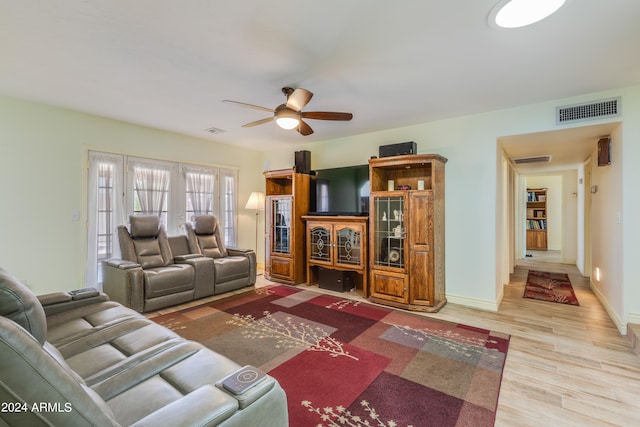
<point x="289" y="115"/>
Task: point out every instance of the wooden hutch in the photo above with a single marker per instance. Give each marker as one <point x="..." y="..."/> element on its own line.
<point x="406" y="223"/>
<point x="286" y="200"/>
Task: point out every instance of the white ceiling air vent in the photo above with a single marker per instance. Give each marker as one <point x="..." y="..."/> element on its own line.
<point x="533" y="159"/>
<point x="588" y="111"/>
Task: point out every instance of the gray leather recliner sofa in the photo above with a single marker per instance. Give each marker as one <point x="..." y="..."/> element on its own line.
<point x="232" y="266"/>
<point x="158" y="271"/>
<point x="81" y="360"/>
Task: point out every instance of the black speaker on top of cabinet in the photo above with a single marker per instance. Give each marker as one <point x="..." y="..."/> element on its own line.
<point x="397" y="149"/>
<point x="303" y="161"/>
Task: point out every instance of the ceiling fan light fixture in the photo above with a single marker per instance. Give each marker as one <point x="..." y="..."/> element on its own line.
<point x="287" y="118"/>
<point x="520" y="13"/>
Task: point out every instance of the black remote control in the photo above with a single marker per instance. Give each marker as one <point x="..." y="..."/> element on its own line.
<point x="243" y="379"/>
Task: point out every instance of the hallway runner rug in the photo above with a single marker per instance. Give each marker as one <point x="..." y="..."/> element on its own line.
<point x="554" y="287"/>
<point x="345" y="362"/>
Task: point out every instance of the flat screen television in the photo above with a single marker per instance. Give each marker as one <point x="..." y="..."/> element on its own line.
<point x="341" y="191"/>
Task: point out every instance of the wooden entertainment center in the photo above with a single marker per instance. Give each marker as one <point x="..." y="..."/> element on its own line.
<point x="396" y="254"/>
<point x="337" y="243"/>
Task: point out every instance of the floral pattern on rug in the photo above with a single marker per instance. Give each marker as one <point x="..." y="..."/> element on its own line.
<point x="289" y="333"/>
<point x="349" y="363"/>
<point x="553" y="287"/>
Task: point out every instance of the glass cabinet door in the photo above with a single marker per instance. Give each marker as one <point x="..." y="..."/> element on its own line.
<point x="320" y="243"/>
<point x="348" y="250"/>
<point x="390" y="232"/>
<point x="281" y="223"/>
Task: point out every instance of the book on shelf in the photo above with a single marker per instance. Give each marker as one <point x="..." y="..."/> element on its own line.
<point x="536" y="224"/>
<point x="533" y="196"/>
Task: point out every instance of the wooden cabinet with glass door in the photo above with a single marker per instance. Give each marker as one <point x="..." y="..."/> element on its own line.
<point x="406" y="222"/>
<point x="286" y="199"/>
<point x="337" y="243"/>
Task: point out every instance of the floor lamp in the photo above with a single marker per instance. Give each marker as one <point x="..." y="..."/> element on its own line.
<point x="256" y="202"/>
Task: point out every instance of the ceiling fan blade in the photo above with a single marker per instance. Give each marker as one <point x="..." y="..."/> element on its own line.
<point x="255" y="107"/>
<point x="327" y="115"/>
<point x="304" y="129"/>
<point x="298" y="99"/>
<point x="258" y="122"/>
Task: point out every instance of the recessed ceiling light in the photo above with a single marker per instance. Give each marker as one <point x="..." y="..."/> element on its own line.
<point x="519" y="13"/>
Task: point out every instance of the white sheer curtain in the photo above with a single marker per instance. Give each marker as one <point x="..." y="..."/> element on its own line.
<point x="105" y="211"/>
<point x="228" y="208"/>
<point x="199" y="191"/>
<point x="151" y="188"/>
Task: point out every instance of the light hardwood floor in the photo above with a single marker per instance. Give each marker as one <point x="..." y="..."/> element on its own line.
<point x="566" y="365"/>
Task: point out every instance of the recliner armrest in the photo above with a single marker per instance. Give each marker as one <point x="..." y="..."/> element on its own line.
<point x="123" y="281"/>
<point x="239" y="251"/>
<point x="204" y="406"/>
<point x="60" y="302"/>
<point x="251" y="254"/>
<point x="122" y="264"/>
<point x="54" y="298"/>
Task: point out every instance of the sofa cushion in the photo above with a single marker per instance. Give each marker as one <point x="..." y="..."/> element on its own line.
<point x="231" y="268"/>
<point x="85" y="320"/>
<point x="19" y="304"/>
<point x="205" y="224"/>
<point x="144" y="226"/>
<point x="168" y="280"/>
<point x="150" y="243"/>
<point x="209" y="236"/>
<point x="148" y="253"/>
<point x="209" y="246"/>
<point x="179" y="245"/>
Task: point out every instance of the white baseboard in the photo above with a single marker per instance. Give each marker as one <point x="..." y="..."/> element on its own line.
<point x="480" y="304"/>
<point x="620" y="324"/>
<point x="634" y="318"/>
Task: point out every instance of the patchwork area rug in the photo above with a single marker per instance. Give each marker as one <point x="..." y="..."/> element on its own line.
<point x="554" y="287"/>
<point x="343" y="362"/>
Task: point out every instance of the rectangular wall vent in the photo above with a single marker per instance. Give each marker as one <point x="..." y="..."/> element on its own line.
<point x="534" y="159"/>
<point x="588" y="111"/>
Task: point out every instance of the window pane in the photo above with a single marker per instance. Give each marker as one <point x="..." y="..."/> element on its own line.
<point x="199" y="193"/>
<point x="151" y="191"/>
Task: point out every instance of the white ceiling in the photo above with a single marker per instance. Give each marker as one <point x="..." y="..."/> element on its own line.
<point x="168" y="64"/>
<point x="568" y="147"/>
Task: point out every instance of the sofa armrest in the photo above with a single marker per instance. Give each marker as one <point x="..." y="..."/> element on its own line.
<point x="205" y="406"/>
<point x="238" y="251"/>
<point x="122" y="264"/>
<point x="54" y="298"/>
<point x="204" y="273"/>
<point x="59" y="302"/>
<point x="253" y="267"/>
<point x="123" y="281"/>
